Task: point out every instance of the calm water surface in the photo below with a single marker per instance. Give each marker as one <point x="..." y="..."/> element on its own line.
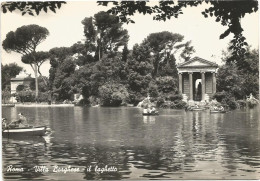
<point x="174" y="145"/>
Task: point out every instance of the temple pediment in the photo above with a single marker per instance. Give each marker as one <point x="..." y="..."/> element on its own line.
<point x="197" y="62"/>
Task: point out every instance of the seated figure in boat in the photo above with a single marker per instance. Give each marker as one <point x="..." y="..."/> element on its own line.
<point x="21" y="122"/>
<point x="153" y="110"/>
<point x="4" y="123"/>
<point x="145" y="110"/>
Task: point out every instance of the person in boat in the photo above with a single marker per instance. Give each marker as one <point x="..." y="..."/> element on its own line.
<point x="4" y="123"/>
<point x="21" y="122"/>
<point x="153" y="110"/>
<point x="221" y="108"/>
<point x="149" y="109"/>
<point x="145" y="111"/>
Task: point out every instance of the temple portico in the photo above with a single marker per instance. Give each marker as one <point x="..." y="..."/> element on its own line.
<point x="197" y="79"/>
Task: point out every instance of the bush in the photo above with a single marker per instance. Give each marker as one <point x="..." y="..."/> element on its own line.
<point x="43" y="97"/>
<point x="153" y="90"/>
<point x="25" y="96"/>
<point x="180" y="105"/>
<point x="219" y="96"/>
<point x="160" y="101"/>
<point x="112" y="94"/>
<point x="241" y="103"/>
<point x="166" y="84"/>
<point x="175" y="97"/>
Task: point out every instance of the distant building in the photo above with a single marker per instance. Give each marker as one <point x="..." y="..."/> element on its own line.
<point x="21" y="79"/>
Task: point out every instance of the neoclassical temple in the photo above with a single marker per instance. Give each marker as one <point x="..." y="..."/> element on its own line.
<point x="197" y="79"/>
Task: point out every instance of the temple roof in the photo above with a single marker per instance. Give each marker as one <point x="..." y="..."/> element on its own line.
<point x="197" y="62"/>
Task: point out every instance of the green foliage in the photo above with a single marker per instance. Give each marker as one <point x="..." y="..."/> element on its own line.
<point x="175" y="97"/>
<point x="241" y="103"/>
<point x="41" y="84"/>
<point x="25" y="96"/>
<point x="178" y="105"/>
<point x="163" y="47"/>
<point x="32" y="7"/>
<point x="153" y="90"/>
<point x="6" y="95"/>
<point x="228" y="13"/>
<point x="139" y="69"/>
<point x="226" y="99"/>
<point x="219" y="96"/>
<point x="9" y="71"/>
<point x="166" y="84"/>
<point x="64" y="82"/>
<point x="104" y="34"/>
<point x="112" y="94"/>
<point x="25" y="39"/>
<point x="160" y="101"/>
<point x="229" y="80"/>
<point x="240" y="78"/>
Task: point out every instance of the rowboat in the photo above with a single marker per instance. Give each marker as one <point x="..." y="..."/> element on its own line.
<point x="197" y="109"/>
<point x="8" y="105"/>
<point x="151" y="114"/>
<point x="215" y="111"/>
<point x="26" y="131"/>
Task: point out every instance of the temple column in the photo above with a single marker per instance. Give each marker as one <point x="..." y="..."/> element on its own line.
<point x="214" y="82"/>
<point x="203" y="85"/>
<point x="180" y="83"/>
<point x="191" y="85"/>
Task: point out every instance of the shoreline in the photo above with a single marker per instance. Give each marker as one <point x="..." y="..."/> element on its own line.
<point x="42" y="105"/>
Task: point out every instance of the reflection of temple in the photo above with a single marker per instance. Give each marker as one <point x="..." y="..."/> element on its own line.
<point x="195" y="73"/>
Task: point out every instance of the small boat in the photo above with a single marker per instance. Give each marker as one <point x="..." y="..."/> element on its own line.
<point x="26" y="131"/>
<point x="8" y="105"/>
<point x="197" y="109"/>
<point x="151" y="114"/>
<point x="215" y="111"/>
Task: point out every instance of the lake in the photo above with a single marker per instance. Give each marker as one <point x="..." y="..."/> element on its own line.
<point x="120" y="143"/>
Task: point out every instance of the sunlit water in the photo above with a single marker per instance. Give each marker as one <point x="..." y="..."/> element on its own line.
<point x="174" y="145"/>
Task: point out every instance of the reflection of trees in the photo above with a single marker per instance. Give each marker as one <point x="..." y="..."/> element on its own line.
<point x="240" y="133"/>
<point x="23" y="153"/>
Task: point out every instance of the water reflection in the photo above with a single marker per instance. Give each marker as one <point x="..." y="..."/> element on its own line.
<point x="174" y="145"/>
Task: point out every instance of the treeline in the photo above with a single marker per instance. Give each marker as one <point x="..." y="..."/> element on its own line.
<point x="106" y="72"/>
<point x="238" y="78"/>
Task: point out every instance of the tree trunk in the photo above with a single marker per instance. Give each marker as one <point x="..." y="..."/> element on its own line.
<point x="36" y="82"/>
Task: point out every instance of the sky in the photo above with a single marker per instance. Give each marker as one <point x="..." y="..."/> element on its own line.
<point x="66" y="29"/>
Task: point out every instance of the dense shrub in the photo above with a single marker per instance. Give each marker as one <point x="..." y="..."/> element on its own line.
<point x="160" y="101"/>
<point x="43" y="97"/>
<point x="175" y="97"/>
<point x="166" y="84"/>
<point x="180" y="105"/>
<point x="25" y="96"/>
<point x="241" y="103"/>
<point x="219" y="96"/>
<point x="153" y="90"/>
<point x="112" y="94"/>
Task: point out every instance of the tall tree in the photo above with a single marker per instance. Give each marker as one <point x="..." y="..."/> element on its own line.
<point x="9" y="71"/>
<point x="164" y="45"/>
<point x="25" y="41"/>
<point x="104" y="34"/>
<point x="41" y="57"/>
<point x="57" y="56"/>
